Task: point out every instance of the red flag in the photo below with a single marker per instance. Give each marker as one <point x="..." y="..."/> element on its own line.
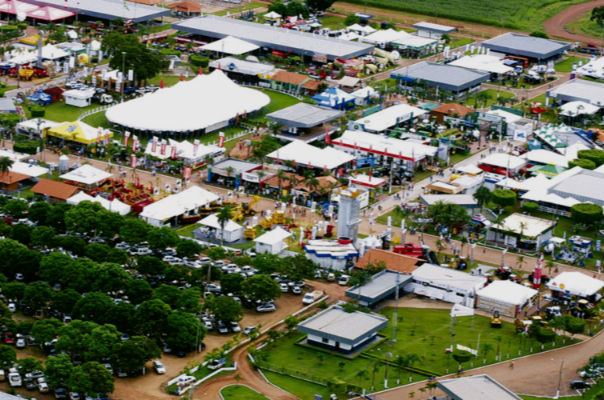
<point x="221" y="139"/>
<point x="200" y="71"/>
<point x="161" y="84"/>
<point x="370" y="173"/>
<point x="182" y="78"/>
<point x="309" y="166"/>
<point x="186" y="173"/>
<point x="327" y="136"/>
<point x="294" y="163"/>
<point x="133" y="160"/>
<point x="325" y="168"/>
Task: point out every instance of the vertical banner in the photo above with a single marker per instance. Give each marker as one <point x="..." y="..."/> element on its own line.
<point x="186" y="173"/>
<point x="133" y="161"/>
<point x="126" y="137"/>
<point x="221" y="139"/>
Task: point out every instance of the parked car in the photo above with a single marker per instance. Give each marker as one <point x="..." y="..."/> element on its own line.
<point x="222" y="328"/>
<point x="235" y="327"/>
<point x="158" y="367"/>
<point x="343" y="280"/>
<point x="14" y="379"/>
<point x="74" y="396"/>
<point x="297" y="290"/>
<point x="60" y="393"/>
<point x="216" y="364"/>
<point x="43" y="386"/>
<point x="576" y="384"/>
<point x="284" y="287"/>
<point x="20" y="343"/>
<point x="266" y="307"/>
<point x="248" y="330"/>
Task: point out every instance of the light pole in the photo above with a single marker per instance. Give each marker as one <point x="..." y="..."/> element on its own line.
<point x="123" y="74"/>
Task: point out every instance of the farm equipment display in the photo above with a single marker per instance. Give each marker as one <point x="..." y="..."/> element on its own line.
<point x="496" y="320"/>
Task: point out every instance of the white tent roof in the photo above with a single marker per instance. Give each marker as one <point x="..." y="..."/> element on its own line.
<point x="528" y="225"/>
<point x="483" y="62"/>
<point x="507" y="292"/>
<point x="230" y="45"/>
<point x="119" y="207"/>
<point x="21" y="58"/>
<point x="389" y="117"/>
<point x="184" y="149"/>
<point x="212" y="221"/>
<point x="576" y="283"/>
<point x="304" y="153"/>
<point x="448" y="277"/>
<point x="79" y="197"/>
<point x="394" y="147"/>
<point x="414" y="41"/>
<point x="537" y="181"/>
<point x="33" y="124"/>
<point x="384" y="36"/>
<point x="50" y="52"/>
<point x="471" y="169"/>
<point x="543" y="156"/>
<point x="79" y="94"/>
<point x="574" y="108"/>
<point x="504" y="160"/>
<point x="365" y="92"/>
<point x="272" y="15"/>
<point x="461" y="311"/>
<point x="86" y="174"/>
<point x="178" y="204"/>
<point x="191" y="105"/>
<point x="360" y="28"/>
<point x="28" y="169"/>
<point x="272" y="237"/>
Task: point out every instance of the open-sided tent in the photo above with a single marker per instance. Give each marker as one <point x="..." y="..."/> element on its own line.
<point x="77" y="131"/>
<point x="575" y="284"/>
<point x="576" y="108"/>
<point x="79" y="197"/>
<point x="86" y="175"/>
<point x="231" y="232"/>
<point x="230" y="45"/>
<point x="16" y="7"/>
<point x="335" y="98"/>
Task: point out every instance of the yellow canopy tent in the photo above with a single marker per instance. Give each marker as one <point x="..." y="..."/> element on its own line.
<point x="79" y="131"/>
<point x="31" y="40"/>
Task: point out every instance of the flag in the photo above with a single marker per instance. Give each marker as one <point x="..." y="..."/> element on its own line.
<point x="161" y="84"/>
<point x="327" y="136"/>
<point x="154" y="144"/>
<point x="126" y="137"/>
<point x="200" y="71"/>
<point x="186" y="173"/>
<point x="133" y="161"/>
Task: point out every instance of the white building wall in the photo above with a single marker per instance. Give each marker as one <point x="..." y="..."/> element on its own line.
<point x="333" y="264"/>
<point x="441" y="294"/>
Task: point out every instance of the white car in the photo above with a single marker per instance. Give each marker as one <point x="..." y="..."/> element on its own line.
<point x="343" y="280"/>
<point x="122" y="246"/>
<point x="267" y="307"/>
<point x="12" y="307"/>
<point x="20" y="343"/>
<point x="159" y="368"/>
<point x="284" y="287"/>
<point x="14" y="379"/>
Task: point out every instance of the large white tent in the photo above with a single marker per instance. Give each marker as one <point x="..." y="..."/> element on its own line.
<point x="111" y="205"/>
<point x="483" y="62"/>
<point x="190" y="153"/>
<point x="207" y="102"/>
<point x="272" y="242"/>
<point x="306" y="154"/>
<point x="161" y="212"/>
<point x="576" y="284"/>
<point x="230" y="45"/>
<point x="576" y="108"/>
<point x="86" y="174"/>
<point x="507" y="297"/>
<point x="389" y="117"/>
<point x="231" y="232"/>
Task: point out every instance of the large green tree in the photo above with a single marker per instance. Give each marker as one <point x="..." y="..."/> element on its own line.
<point x="260" y="287"/>
<point x="449" y="215"/>
<point x="597" y="14"/>
<point x="101" y="343"/>
<point x="160" y="238"/>
<point x="151" y="316"/>
<point x="58" y="370"/>
<point x="226" y="309"/>
<point x="90" y="379"/>
<point x="183" y="331"/>
<point x="93" y="307"/>
<point x="131" y="355"/>
<point x="319" y="5"/>
<point x="134" y="231"/>
<point x="37" y="294"/>
<point x="44" y="330"/>
<point x="8" y="356"/>
<point x="143" y="61"/>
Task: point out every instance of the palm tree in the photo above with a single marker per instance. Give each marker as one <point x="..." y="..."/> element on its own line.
<point x="374" y="367"/>
<point x="549" y="265"/>
<point x="280" y="177"/>
<point x="229" y="170"/>
<point x="520" y="262"/>
<point x="401" y="363"/>
<point x="312" y="183"/>
<point x="5" y="164"/>
<point x="224" y="215"/>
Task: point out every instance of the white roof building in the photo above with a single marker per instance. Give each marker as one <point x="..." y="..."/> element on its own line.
<point x="330" y="254"/>
<point x="543" y="156"/>
<point x="575" y="108"/>
<point x="526" y="225"/>
<point x="594" y="68"/>
<point x="86" y="174"/>
<point x="360" y="29"/>
<point x="400" y="38"/>
<point x="231" y="232"/>
<point x="78" y="97"/>
<point x="31" y="125"/>
<point x="79" y="197"/>
<point x="306" y="154"/>
<point x="579" y="89"/>
<point x="161" y="212"/>
<point x="272" y="242"/>
<point x="507" y="297"/>
<point x="184" y="150"/>
<point x="28" y="169"/>
<point x="111" y="205"/>
<point x="206" y="102"/>
<point x="483" y="62"/>
<point x="503" y="160"/>
<point x="230" y="45"/>
<point x="576" y="284"/>
<point x="477" y="387"/>
<point x="358" y="141"/>
<point x="388" y="117"/>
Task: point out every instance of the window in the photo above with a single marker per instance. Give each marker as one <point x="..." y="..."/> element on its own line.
<point x="325" y="340"/>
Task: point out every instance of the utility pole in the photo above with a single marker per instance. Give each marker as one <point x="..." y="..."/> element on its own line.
<point x="123" y="74"/>
<point x="559" y="380"/>
<point x="395" y="313"/>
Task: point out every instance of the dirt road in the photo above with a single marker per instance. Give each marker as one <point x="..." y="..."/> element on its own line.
<point x="556" y="25"/>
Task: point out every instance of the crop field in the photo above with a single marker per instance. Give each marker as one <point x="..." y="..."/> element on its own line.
<point x="517" y="14"/>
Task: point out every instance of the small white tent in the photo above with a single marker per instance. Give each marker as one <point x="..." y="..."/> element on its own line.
<point x="272" y="242"/>
<point x="232" y="231"/>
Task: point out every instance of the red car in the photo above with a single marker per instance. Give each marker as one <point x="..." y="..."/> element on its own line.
<point x="9" y="338"/>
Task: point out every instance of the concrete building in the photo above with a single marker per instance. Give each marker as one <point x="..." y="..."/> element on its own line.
<point x="509" y="298"/>
<point x="432" y="30"/>
<point x="457" y="80"/>
<point x="578" y="90"/>
<point x="335" y="255"/>
<point x="275" y="38"/>
<point x="381" y="286"/>
<point x="336" y="329"/>
<point x="348" y="214"/>
<point x="304" y="121"/>
<point x="388" y="118"/>
<point x="534" y="48"/>
<point x="464" y="200"/>
<point x="272" y="242"/>
<point x="477" y="387"/>
<point x="522" y="232"/>
<point x="109" y="9"/>
<point x="167" y="210"/>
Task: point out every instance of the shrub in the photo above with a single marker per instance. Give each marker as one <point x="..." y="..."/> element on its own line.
<point x="545" y="335"/>
<point x="503" y="197"/>
<point x="27" y="147"/>
<point x="462" y="356"/>
<point x="530" y="206"/>
<point x="575" y="325"/>
<point x="595" y="155"/>
<point x="586" y="213"/>
<point x="539" y="34"/>
<point x="583" y="163"/>
<point x="351" y="20"/>
<point x="199" y="61"/>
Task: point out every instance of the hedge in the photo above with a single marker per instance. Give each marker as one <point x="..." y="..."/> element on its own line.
<point x="199" y="61"/>
<point x="503" y="197"/>
<point x="28" y="147"/>
<point x="586" y="213"/>
<point x="545" y="335"/>
<point x="530" y="206"/>
<point x="583" y="163"/>
<point x="462" y="356"/>
<point x="595" y="155"/>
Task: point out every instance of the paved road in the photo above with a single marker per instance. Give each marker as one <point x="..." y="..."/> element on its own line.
<point x="556" y="25"/>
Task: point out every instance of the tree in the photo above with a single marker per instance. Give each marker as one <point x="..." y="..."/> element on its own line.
<point x="101" y="343"/>
<point x="138" y="290"/>
<point x="226" y="309"/>
<point x="149" y="265"/>
<point x="539" y="34"/>
<point x="260" y="287"/>
<point x="595" y="155"/>
<point x="84" y="218"/>
<point x="188" y="248"/>
<point x="73" y="337"/>
<point x="530" y="206"/>
<point x="319" y="5"/>
<point x="122" y="316"/>
<point x="37" y="294"/>
<point x="150" y="317"/>
<point x="351" y="20"/>
<point x="224" y="215"/>
<point x="29" y="364"/>
<point x="461" y="356"/>
<point x="134" y="231"/>
<point x="21" y="233"/>
<point x="291" y="322"/>
<point x="449" y="215"/>
<point x="482" y="195"/>
<point x="231" y="283"/>
<point x="183" y="331"/>
<point x="58" y="370"/>
<point x="169" y="294"/>
<point x="586" y="213"/>
<point x="583" y="163"/>
<point x="137" y="57"/>
<point x="38" y="212"/>
<point x="109" y="277"/>
<point x="597" y="14"/>
<point x="97" y="251"/>
<point x="503" y="197"/>
<point x="160" y="238"/>
<point x="189" y="300"/>
<point x="7" y="356"/>
<point x="54" y="266"/>
<point x="131" y="355"/>
<point x="216" y="253"/>
<point x="90" y="379"/>
<point x="42" y="236"/>
<point x="44" y="330"/>
<point x="93" y="307"/>
<point x="5" y="164"/>
<point x="15" y="208"/>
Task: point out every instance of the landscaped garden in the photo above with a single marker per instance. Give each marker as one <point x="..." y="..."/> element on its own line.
<point x="240" y="392"/>
<point x="567" y="64"/>
<point x="303" y="389"/>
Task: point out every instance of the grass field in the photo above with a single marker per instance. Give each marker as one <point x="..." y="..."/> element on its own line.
<point x="517" y="14"/>
<point x="248" y="6"/>
<point x="567" y="64"/>
<point x="584" y="25"/>
<point x="549" y="398"/>
<point x="459" y="41"/>
<point x="302" y="389"/>
<point x="493" y="94"/>
<point x="240" y="392"/>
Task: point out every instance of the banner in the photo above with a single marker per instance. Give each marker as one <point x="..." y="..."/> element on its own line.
<point x="126" y="137"/>
<point x="221" y="139"/>
<point x="186" y="173"/>
<point x="133" y="161"/>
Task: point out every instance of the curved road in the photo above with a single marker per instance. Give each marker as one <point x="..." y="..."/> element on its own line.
<point x="555" y="26"/>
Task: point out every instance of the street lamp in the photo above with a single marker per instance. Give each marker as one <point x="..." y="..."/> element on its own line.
<point x="123" y="73"/>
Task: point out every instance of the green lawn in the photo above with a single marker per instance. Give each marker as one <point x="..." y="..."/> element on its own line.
<point x="248" y="6"/>
<point x="427" y="333"/>
<point x="97" y="120"/>
<point x="549" y="398"/>
<point x="240" y="392"/>
<point x="187" y="230"/>
<point x="459" y="41"/>
<point x="169" y="80"/>
<point x="278" y="101"/>
<point x="302" y="389"/>
<point x="567" y="64"/>
<point x="476" y="102"/>
<point x="61" y="112"/>
<point x="333" y="22"/>
<point x="586" y="26"/>
<point x="519" y="14"/>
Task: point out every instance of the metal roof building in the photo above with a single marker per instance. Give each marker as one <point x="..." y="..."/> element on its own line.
<point x="526" y="46"/>
<point x="303" y="115"/>
<point x="579" y="90"/>
<point x="478" y="387"/>
<point x="337" y="329"/>
<point x="108" y="9"/>
<point x="442" y="76"/>
<point x="381" y="286"/>
<point x="302" y="43"/>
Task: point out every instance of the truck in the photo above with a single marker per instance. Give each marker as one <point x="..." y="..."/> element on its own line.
<point x="311" y="297"/>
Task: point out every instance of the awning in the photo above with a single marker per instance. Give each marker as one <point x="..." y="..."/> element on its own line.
<point x="574" y="108"/>
<point x="230" y="45"/>
<point x="78" y="131"/>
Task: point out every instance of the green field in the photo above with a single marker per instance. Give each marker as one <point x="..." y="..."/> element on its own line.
<point x="302" y="389"/>
<point x="475" y="101"/>
<point x="240" y="392"/>
<point x="567" y="64"/>
<point x="584" y="25"/>
<point x="248" y="6"/>
<point x="516" y="14"/>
